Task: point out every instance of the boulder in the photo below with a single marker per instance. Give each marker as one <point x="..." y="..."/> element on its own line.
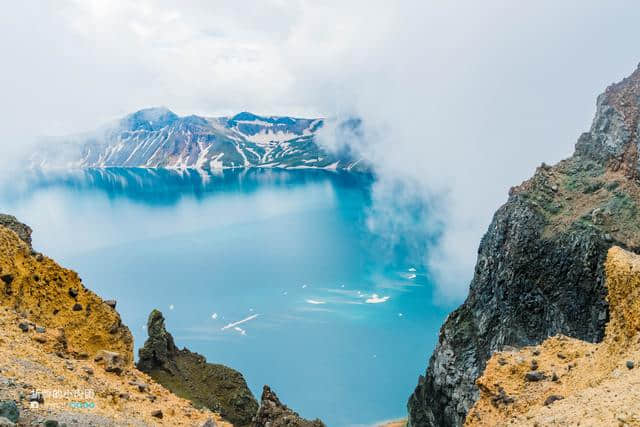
<point x="111" y="361"/>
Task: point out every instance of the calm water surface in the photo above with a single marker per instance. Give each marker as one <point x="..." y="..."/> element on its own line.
<point x="337" y="321"/>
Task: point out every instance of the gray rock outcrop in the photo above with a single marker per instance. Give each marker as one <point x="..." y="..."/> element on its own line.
<point x="273" y="413"/>
<point x="22" y="230"/>
<point x="189" y="376"/>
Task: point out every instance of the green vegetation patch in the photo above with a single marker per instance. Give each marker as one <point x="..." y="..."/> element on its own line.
<point x="622" y="206"/>
<point x="583" y="177"/>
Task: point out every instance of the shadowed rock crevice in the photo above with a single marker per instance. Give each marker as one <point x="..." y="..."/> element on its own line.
<point x="188" y="375"/>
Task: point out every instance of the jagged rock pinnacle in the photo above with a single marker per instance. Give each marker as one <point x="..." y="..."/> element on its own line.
<point x="273" y="413"/>
<point x="188" y="375"/>
<point x="159" y="350"/>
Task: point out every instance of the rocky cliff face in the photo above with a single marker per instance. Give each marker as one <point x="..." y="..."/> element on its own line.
<point x="273" y="413"/>
<point x="189" y="376"/>
<point x="565" y="381"/>
<point x="540" y="269"/>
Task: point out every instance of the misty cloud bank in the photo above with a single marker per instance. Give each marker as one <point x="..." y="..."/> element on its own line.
<point x="457" y="101"/>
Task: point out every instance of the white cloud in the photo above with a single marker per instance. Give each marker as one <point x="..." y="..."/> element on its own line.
<point x="460" y="100"/>
<point x="315" y="302"/>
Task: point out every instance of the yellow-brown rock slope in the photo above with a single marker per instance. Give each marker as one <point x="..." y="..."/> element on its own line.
<point x="565" y="381"/>
<point x="53" y="332"/>
<point x="55" y="297"/>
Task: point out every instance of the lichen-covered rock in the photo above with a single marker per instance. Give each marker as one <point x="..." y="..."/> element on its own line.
<point x="9" y="410"/>
<point x="273" y="413"/>
<point x="38" y="287"/>
<point x="159" y="350"/>
<point x="188" y="375"/>
<point x="540" y="270"/>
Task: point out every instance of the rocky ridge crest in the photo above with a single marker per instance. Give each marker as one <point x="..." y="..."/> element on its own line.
<point x="274" y="413"/>
<point x="188" y="375"/>
<point x="22" y="230"/>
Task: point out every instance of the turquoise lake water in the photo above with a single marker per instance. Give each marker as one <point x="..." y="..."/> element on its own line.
<point x="338" y="320"/>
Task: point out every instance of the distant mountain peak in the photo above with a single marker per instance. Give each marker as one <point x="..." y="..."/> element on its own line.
<point x="157" y="137"/>
<point x="246" y="116"/>
<point x="153" y="113"/>
<point x="274" y="120"/>
<point x="149" y="118"/>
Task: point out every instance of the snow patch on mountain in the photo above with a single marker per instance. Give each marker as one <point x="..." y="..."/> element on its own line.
<point x="159" y="138"/>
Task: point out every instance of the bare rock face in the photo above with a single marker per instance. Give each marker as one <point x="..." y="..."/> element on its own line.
<point x="22" y="230"/>
<point x="525" y="386"/>
<point x="189" y="376"/>
<point x="613" y="137"/>
<point x="273" y="413"/>
<point x="540" y="269"/>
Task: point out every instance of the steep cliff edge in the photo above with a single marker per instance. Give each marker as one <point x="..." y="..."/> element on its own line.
<point x="565" y="381"/>
<point x="66" y="350"/>
<point x="540" y="266"/>
<point x="188" y="375"/>
<point x="65" y="357"/>
<point x="54" y="297"/>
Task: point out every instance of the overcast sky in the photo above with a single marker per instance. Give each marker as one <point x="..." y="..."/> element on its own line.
<point x="459" y="97"/>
